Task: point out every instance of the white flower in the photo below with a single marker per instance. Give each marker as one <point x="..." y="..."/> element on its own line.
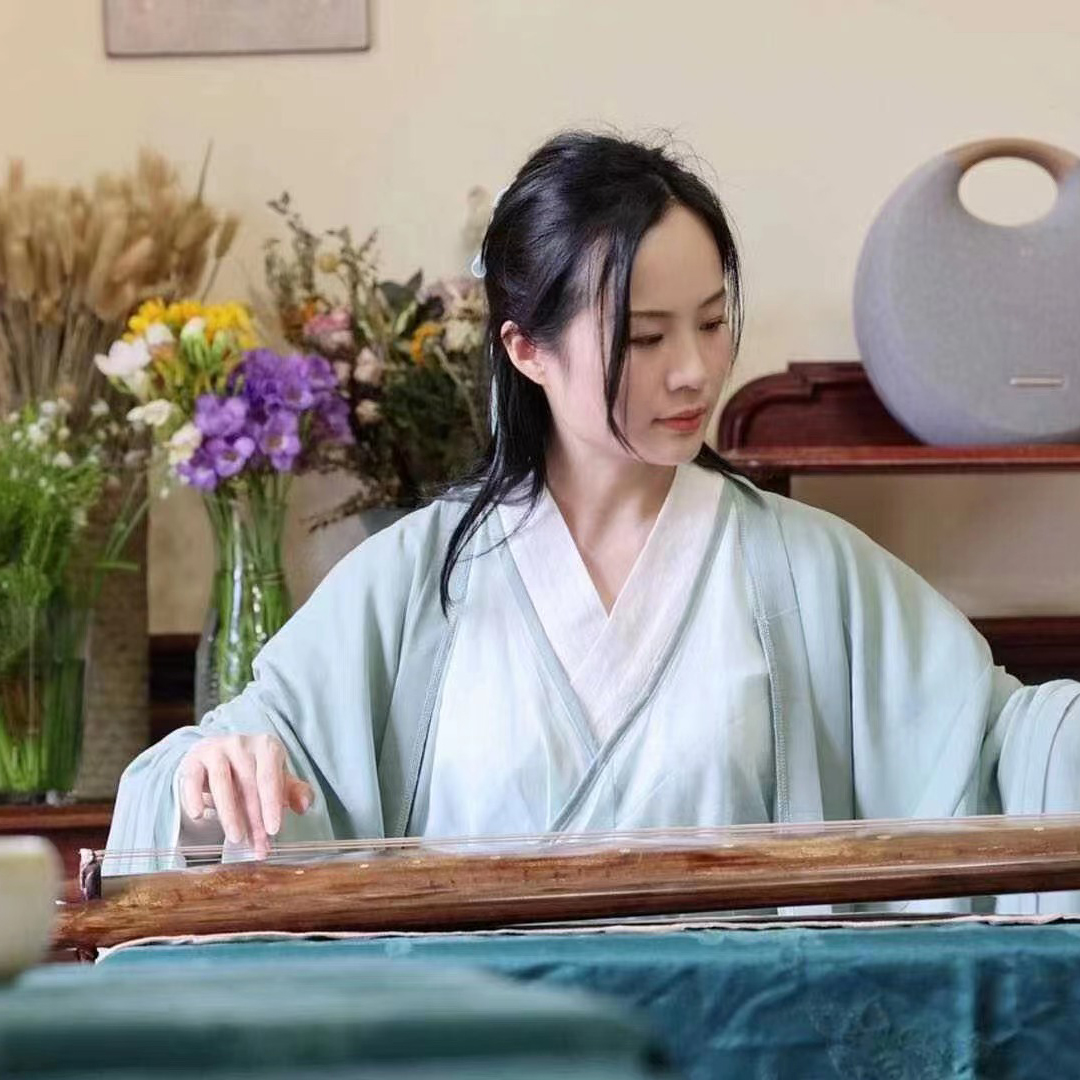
<point x="369" y="368"/>
<point x="12" y="417"/>
<point x="37" y="435"/>
<point x="368" y="413"/>
<point x="138" y="382"/>
<point x="183" y="444"/>
<point x="158" y="334"/>
<point x="78" y="519"/>
<point x="63" y="434"/>
<point x="63" y="406"/>
<point x="193" y="328"/>
<point x="62" y="460"/>
<point x="48" y="408"/>
<point x="16" y="436"/>
<point x="461" y="335"/>
<point x="133" y="459"/>
<point x="124" y="359"/>
<point x="153" y="413"/>
<point x="99" y="409"/>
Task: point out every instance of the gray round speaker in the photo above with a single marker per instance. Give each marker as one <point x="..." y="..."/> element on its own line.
<point x="970" y="331"/>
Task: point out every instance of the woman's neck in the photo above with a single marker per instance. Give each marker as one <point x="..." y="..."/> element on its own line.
<point x="610" y="506"/>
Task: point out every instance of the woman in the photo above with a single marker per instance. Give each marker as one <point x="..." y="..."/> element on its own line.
<point x="604" y="628"/>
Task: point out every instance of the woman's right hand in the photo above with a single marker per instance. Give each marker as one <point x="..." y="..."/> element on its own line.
<point x="246" y="779"/>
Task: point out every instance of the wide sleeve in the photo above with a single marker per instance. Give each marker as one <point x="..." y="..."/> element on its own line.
<point x="1034" y="745"/>
<point x="939" y="728"/>
<point x="909" y="693"/>
<point x="910" y="699"/>
<point x="322" y="685"/>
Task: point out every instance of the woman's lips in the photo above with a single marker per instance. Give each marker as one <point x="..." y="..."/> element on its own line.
<point x="684" y="422"/>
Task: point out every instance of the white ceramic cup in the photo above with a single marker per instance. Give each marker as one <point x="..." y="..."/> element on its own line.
<point x="30" y="878"/>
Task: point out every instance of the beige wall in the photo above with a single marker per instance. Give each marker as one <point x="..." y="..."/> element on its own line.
<point x="808" y="115"/>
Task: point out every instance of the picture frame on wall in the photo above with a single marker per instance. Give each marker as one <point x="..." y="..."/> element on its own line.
<point x="146" y="28"/>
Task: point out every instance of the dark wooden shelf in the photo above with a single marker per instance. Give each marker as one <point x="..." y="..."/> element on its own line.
<point x="824" y="418"/>
<point x="17" y="817"/>
<point x="804" y="460"/>
<point x="70" y="827"/>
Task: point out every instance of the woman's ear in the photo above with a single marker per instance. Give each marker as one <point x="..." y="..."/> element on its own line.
<point x="523" y="353"/>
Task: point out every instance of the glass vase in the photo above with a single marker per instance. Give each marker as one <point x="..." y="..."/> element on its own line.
<point x="42" y="683"/>
<point x="249" y="600"/>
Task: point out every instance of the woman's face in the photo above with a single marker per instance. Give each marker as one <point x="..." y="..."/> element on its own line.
<point x="679" y="355"/>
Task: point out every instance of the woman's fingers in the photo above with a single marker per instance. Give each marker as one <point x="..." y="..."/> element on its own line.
<point x="223" y="792"/>
<point x="270" y="778"/>
<point x="242" y="760"/>
<point x="298" y="794"/>
<point x="192" y="785"/>
<point x="245" y="779"/>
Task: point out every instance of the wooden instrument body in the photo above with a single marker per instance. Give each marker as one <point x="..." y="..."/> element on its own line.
<point x="486" y="883"/>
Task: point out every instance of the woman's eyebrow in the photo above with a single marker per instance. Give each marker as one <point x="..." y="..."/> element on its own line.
<point x="720" y="294"/>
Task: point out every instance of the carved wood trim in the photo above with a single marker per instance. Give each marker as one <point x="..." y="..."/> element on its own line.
<point x="813" y="403"/>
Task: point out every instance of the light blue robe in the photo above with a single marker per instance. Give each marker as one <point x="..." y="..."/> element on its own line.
<point x="557" y="715"/>
<point x="884" y="700"/>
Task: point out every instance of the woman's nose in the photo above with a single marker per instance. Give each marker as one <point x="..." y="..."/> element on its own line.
<point x="689" y="369"/>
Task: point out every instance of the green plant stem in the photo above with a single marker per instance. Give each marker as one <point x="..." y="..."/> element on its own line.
<point x="249" y="596"/>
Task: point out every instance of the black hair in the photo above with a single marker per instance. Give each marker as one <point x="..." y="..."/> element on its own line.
<point x="563" y="235"/>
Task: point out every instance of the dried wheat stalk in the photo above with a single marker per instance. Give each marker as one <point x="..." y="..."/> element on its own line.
<point x="74" y="263"/>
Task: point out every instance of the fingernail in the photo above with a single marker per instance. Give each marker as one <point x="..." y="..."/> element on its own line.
<point x="305" y="803"/>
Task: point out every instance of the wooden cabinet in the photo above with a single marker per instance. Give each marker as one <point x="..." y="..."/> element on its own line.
<point x="69" y="828"/>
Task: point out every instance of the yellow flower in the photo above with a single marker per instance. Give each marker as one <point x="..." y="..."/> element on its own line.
<point x="233" y="318"/>
<point x="421" y="335"/>
<point x="150" y="312"/>
<point x="181" y="312"/>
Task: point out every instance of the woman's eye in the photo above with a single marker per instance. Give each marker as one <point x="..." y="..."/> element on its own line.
<point x="713" y="325"/>
<point x="647" y="341"/>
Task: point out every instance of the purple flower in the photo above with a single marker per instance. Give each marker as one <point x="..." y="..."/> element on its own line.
<point x="271" y="381"/>
<point x="279" y="440"/>
<point x="278" y="407"/>
<point x="319" y="374"/>
<point x="229" y="456"/>
<point x="198" y="472"/>
<point x="332" y="421"/>
<point x="219" y="418"/>
<point x="295" y="392"/>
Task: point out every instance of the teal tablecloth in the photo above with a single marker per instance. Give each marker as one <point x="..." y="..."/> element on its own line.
<point x="321" y="1013"/>
<point x="927" y="1002"/>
